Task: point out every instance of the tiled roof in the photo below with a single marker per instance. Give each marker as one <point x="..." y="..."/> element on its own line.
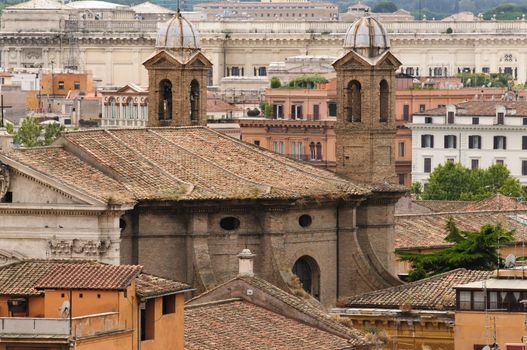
<point x="217" y="105"/>
<point x="433" y="293"/>
<point x="236" y="324"/>
<point x="88" y="275"/>
<point x="428" y="230"/>
<point x="496" y="202"/>
<point x="186" y="163"/>
<point x="302" y="305"/>
<point x="443" y="206"/>
<point x="481" y="108"/>
<point x="29" y="277"/>
<point x="150" y="285"/>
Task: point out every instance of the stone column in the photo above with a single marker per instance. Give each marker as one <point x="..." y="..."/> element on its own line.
<point x="18" y="57"/>
<point x="45" y="57"/>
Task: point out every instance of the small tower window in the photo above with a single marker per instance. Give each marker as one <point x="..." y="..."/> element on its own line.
<point x="384" y="107"/>
<point x="353" y="105"/>
<point x="194" y="102"/>
<point x="165" y="99"/>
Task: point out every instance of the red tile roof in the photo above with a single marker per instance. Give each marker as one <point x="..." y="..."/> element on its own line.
<point x="433" y="293"/>
<point x="496" y="202"/>
<point x="236" y="324"/>
<point x="482" y="108"/>
<point x="186" y="163"/>
<point x="30" y="277"/>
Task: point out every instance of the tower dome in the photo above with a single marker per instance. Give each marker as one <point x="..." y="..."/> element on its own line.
<point x="177" y="33"/>
<point x="367" y="37"/>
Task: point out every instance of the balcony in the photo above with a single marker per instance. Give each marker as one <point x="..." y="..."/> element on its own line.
<point x="33" y="327"/>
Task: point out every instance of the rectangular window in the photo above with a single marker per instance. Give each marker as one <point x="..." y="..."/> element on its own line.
<point x="275" y="147"/>
<point x="406" y="112"/>
<point x="257" y="142"/>
<point x="148" y="320"/>
<point x="401" y="179"/>
<point x="428" y="120"/>
<point x="474" y="142"/>
<point x="450" y="141"/>
<point x="465" y="300"/>
<point x="475" y="121"/>
<point x="401" y="149"/>
<point x="450" y="119"/>
<point x="316" y="112"/>
<point x="427" y="165"/>
<point x="500" y="161"/>
<point x="281" y="145"/>
<point x="422" y="108"/>
<point x="485" y="70"/>
<point x="500" y="142"/>
<point x="332" y="109"/>
<point x="169" y="304"/>
<point x="474" y="164"/>
<point x="293" y="149"/>
<point x="493" y="300"/>
<point x="77" y="85"/>
<point x="300" y="151"/>
<point x="524" y="121"/>
<point x="478" y="300"/>
<point x="501" y="118"/>
<point x="524" y="142"/>
<point x="427" y="141"/>
<point x="524" y="167"/>
<point x="296" y="111"/>
<point x="278" y="111"/>
<point x="61" y="85"/>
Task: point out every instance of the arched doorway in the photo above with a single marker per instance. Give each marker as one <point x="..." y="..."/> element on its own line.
<point x="165" y="100"/>
<point x="307" y="270"/>
<point x="194" y="101"/>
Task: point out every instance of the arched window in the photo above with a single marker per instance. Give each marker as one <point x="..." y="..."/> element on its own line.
<point x="319" y="151"/>
<point x="194" y="101"/>
<point x="165" y="100"/>
<point x="312" y="151"/>
<point x="308" y="272"/>
<point x="353" y="105"/>
<point x="384" y="107"/>
<point x="128" y="109"/>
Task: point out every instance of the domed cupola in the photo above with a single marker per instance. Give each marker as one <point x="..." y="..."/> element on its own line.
<point x="178" y="33"/>
<point x="368" y="37"/>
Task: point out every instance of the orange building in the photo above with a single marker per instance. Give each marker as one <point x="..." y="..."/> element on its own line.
<point x="59" y="84"/>
<point x="492" y="312"/>
<point x="61" y="304"/>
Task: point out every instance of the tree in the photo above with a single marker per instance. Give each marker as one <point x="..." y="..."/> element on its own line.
<point x="416" y="189"/>
<point x="384" y="7"/>
<point x="452" y="181"/>
<point x="51" y="132"/>
<point x="28" y="135"/>
<point x="471" y="250"/>
<point x="268" y="110"/>
<point x="32" y="134"/>
<point x="275" y="83"/>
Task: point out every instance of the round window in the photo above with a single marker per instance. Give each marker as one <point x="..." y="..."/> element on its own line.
<point x="305" y="220"/>
<point x="229" y="223"/>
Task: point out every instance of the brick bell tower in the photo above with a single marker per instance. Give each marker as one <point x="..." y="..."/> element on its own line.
<point x="177" y="76"/>
<point x="365" y="128"/>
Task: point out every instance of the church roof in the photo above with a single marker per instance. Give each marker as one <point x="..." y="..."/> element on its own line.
<point x="177" y="33"/>
<point x="95" y="4"/>
<point x="40" y="5"/>
<point x="177" y="164"/>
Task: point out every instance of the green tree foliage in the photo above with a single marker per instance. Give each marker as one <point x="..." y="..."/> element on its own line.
<point x="275" y="83"/>
<point x="453" y="181"/>
<point x="416" y="189"/>
<point x="384" y="7"/>
<point x="10" y="128"/>
<point x="480" y="79"/>
<point x="471" y="250"/>
<point x="32" y="134"/>
<point x="308" y="81"/>
<point x="507" y="11"/>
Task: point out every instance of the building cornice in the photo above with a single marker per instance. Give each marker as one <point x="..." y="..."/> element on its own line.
<point x="458" y="127"/>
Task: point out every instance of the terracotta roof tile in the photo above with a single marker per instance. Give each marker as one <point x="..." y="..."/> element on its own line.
<point x="186" y="163"/>
<point x="482" y="108"/>
<point x="428" y="230"/>
<point x="241" y="325"/>
<point x="443" y="206"/>
<point x="496" y="202"/>
<point x="433" y="293"/>
<point x="150" y="285"/>
<point x="29" y="277"/>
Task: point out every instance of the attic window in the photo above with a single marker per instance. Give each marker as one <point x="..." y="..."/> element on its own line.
<point x="305" y="220"/>
<point x="230" y="223"/>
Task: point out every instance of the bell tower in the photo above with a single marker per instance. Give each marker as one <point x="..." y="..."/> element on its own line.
<point x="365" y="128"/>
<point x="177" y="76"/>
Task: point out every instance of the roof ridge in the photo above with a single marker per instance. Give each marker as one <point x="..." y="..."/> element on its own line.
<point x="463" y="212"/>
<point x="215" y="302"/>
<point x="267" y="188"/>
<point x="190" y="187"/>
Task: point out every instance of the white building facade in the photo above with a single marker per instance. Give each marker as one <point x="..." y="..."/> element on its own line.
<point x="477" y="134"/>
<point x="125" y="107"/>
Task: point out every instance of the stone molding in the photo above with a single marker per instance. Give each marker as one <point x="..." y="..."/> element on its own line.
<point x="95" y="248"/>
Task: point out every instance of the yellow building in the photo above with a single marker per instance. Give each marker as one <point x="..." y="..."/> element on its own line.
<point x="63" y="304"/>
<point x="492" y="312"/>
<point x="414" y="316"/>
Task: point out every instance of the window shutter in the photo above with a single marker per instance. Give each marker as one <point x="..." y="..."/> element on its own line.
<point x="504" y="142"/>
<point x="446" y="141"/>
<point x="524" y="142"/>
<point x="471" y="142"/>
<point x="524" y="167"/>
<point x="431" y="141"/>
<point x="422" y="141"/>
<point x="479" y="142"/>
<point x="455" y="141"/>
<point x="495" y="142"/>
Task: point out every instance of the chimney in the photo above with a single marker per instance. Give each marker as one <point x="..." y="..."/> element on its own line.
<point x="245" y="263"/>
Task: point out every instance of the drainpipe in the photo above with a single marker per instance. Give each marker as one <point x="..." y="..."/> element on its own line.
<point x="139" y="325"/>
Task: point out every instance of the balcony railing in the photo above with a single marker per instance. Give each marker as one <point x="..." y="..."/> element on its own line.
<point x="34" y="326"/>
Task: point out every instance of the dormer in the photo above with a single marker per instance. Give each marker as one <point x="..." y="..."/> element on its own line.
<point x="501" y="111"/>
<point x="450" y="114"/>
